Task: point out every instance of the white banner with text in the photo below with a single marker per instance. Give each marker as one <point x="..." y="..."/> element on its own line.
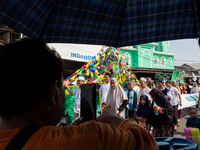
<point x="189" y="100"/>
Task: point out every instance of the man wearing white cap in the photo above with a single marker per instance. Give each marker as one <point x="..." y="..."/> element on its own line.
<point x="144" y="89"/>
<point x="77" y="94"/>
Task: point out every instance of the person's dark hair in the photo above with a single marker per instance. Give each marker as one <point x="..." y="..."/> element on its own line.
<point x="149" y="77"/>
<point x="108" y="74"/>
<point x="161" y="81"/>
<point x="28" y="68"/>
<point x="191" y="109"/>
<point x="130" y="83"/>
<point x="150" y="84"/>
<point x="169" y="81"/>
<point x="107" y="105"/>
<point x="133" y="79"/>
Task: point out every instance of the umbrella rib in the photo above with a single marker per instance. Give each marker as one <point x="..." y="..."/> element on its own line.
<point x="120" y="25"/>
<point x="198" y="14"/>
<point x="46" y="23"/>
<point x="198" y="9"/>
<point x="195" y="25"/>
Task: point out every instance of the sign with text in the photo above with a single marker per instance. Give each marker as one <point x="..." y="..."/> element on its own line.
<point x="76" y="52"/>
<point x="189" y="100"/>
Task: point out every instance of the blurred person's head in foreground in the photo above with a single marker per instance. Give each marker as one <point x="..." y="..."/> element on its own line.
<point x="31" y="82"/>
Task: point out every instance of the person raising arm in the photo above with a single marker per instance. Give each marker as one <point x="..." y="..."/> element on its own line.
<point x="77" y="94"/>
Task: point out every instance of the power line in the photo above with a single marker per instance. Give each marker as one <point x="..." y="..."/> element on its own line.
<point x="187" y="60"/>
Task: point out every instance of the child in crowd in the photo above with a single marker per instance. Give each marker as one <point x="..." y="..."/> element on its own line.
<point x="143" y="110"/>
<point x="193" y="121"/>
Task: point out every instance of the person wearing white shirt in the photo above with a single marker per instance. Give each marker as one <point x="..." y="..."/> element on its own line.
<point x="144" y="89"/>
<point x="135" y="88"/>
<point x="105" y="87"/>
<point x="175" y="100"/>
<point x="164" y="89"/>
<point x="195" y="89"/>
<point x="77" y="94"/>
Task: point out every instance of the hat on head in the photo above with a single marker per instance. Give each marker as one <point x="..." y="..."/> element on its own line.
<point x="143" y="79"/>
<point x="81" y="78"/>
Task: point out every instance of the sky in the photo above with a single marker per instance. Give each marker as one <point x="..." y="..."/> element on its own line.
<point x="188" y="50"/>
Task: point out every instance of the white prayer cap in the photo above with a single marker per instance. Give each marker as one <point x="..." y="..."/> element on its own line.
<point x="81" y="78"/>
<point x="143" y="79"/>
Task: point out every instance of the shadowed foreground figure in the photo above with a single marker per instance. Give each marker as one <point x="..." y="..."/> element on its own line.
<point x="162" y="121"/>
<point x="38" y="97"/>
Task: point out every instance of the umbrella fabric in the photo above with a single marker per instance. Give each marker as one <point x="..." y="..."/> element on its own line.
<point x="102" y="22"/>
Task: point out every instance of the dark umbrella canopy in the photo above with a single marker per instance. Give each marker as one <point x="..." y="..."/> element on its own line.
<point x="102" y="22"/>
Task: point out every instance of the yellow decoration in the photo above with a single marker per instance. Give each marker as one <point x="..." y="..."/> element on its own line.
<point x="89" y="62"/>
<point x="102" y="78"/>
<point x="72" y="78"/>
<point x="67" y="92"/>
<point x="113" y="66"/>
<point x="97" y="64"/>
<point x="120" y="77"/>
<point x="86" y="81"/>
<point x="100" y="101"/>
<point x="87" y="74"/>
<point x="108" y="53"/>
<point x="103" y="55"/>
<point x="98" y="59"/>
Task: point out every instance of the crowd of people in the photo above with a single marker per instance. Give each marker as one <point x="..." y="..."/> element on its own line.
<point x="29" y="118"/>
<point x="155" y="108"/>
<point x="131" y="113"/>
<point x="144" y="112"/>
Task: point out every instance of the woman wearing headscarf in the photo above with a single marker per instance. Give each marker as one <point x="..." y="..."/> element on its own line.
<point x="143" y="110"/>
<point x="117" y="97"/>
<point x="195" y="89"/>
<point x="160" y="116"/>
<point x="179" y="112"/>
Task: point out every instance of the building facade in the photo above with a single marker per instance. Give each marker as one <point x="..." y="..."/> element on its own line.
<point x="151" y="59"/>
<point x="190" y="70"/>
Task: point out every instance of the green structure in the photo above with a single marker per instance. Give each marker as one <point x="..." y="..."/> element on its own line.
<point x="152" y="57"/>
